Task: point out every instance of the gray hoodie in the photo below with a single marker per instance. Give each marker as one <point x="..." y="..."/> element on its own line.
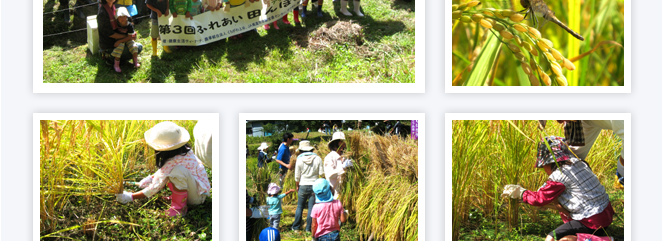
<point x="309" y="167"/>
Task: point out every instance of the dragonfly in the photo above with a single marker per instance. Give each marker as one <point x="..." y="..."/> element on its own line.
<point x="533" y="7"/>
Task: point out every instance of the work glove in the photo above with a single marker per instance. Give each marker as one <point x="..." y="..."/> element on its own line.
<point x="145" y="182"/>
<point x="124" y="197"/>
<point x="513" y="191"/>
<point x="347" y="163"/>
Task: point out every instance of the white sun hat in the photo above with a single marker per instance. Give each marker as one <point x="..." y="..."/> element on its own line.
<point x="337" y="136"/>
<point x="263" y="146"/>
<point x="166" y="136"/>
<point x="305" y="146"/>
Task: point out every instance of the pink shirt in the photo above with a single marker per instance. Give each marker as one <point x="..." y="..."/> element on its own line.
<point x="327" y="216"/>
<point x="190" y="162"/>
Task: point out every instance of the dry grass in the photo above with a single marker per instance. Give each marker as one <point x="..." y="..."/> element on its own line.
<point x="337" y="32"/>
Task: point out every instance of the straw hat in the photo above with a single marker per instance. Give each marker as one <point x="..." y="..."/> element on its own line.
<point x="305" y="146"/>
<point x="166" y="136"/>
<point x="337" y="136"/>
<point x="263" y="146"/>
<point x="273" y="189"/>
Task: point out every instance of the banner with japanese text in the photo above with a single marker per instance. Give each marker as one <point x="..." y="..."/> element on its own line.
<point x="213" y="26"/>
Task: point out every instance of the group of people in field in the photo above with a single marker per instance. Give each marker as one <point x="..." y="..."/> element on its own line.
<point x="318" y="186"/>
<point x="117" y="34"/>
<point x="572" y="188"/>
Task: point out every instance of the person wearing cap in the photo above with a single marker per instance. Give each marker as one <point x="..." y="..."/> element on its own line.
<point x="334" y="163"/>
<point x="326" y="213"/>
<point x="179" y="169"/>
<point x="270" y="234"/>
<point x="308" y="168"/>
<point x="274" y="202"/>
<point x="263" y="157"/>
<point x="283" y="156"/>
<point x="583" y="202"/>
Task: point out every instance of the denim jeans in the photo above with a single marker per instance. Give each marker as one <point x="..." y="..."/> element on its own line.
<point x="333" y="236"/>
<point x="274" y="220"/>
<point x="305" y="193"/>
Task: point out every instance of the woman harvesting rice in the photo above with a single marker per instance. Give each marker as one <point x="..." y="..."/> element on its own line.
<point x="335" y="164"/>
<point x="178" y="168"/>
<point x="586" y="206"/>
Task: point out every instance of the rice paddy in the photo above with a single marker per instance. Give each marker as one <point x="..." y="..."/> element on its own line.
<point x="83" y="163"/>
<point x="380" y="191"/>
<point x="495" y="44"/>
<point x="487" y="155"/>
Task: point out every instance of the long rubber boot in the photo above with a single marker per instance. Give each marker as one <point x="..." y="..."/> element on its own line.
<point x="154" y="47"/>
<point x="295" y="15"/>
<point x="357" y="6"/>
<point x="344" y="8"/>
<point x="302" y="13"/>
<point x="285" y="19"/>
<point x="177" y="202"/>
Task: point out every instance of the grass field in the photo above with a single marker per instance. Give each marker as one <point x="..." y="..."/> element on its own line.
<point x="84" y="163"/>
<point x="494" y="46"/>
<point x="379" y="49"/>
<point x="487" y="155"/>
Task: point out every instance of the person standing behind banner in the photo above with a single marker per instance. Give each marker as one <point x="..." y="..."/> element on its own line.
<point x="159" y="8"/>
<point x="196" y="8"/>
<point x="180" y="7"/>
<point x="212" y="5"/>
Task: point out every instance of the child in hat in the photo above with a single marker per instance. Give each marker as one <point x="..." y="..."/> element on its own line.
<point x="124" y="26"/>
<point x="583" y="203"/>
<point x="274" y="202"/>
<point x="326" y="213"/>
<point x="179" y="169"/>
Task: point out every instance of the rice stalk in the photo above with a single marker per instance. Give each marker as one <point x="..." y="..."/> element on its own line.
<point x="490" y="154"/>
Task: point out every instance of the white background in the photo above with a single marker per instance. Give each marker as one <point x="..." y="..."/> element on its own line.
<point x="18" y="103"/>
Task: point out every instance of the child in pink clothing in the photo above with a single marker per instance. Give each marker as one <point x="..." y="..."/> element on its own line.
<point x="326" y="213"/>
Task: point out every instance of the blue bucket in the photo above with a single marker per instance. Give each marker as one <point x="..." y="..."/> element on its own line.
<point x="132" y="10"/>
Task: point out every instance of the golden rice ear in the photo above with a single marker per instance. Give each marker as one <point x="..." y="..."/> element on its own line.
<point x="247" y="3"/>
<point x="226" y="7"/>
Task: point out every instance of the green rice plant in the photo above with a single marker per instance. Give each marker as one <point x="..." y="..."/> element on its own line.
<point x="538" y="56"/>
<point x="516" y="151"/>
<point x="468" y="151"/>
